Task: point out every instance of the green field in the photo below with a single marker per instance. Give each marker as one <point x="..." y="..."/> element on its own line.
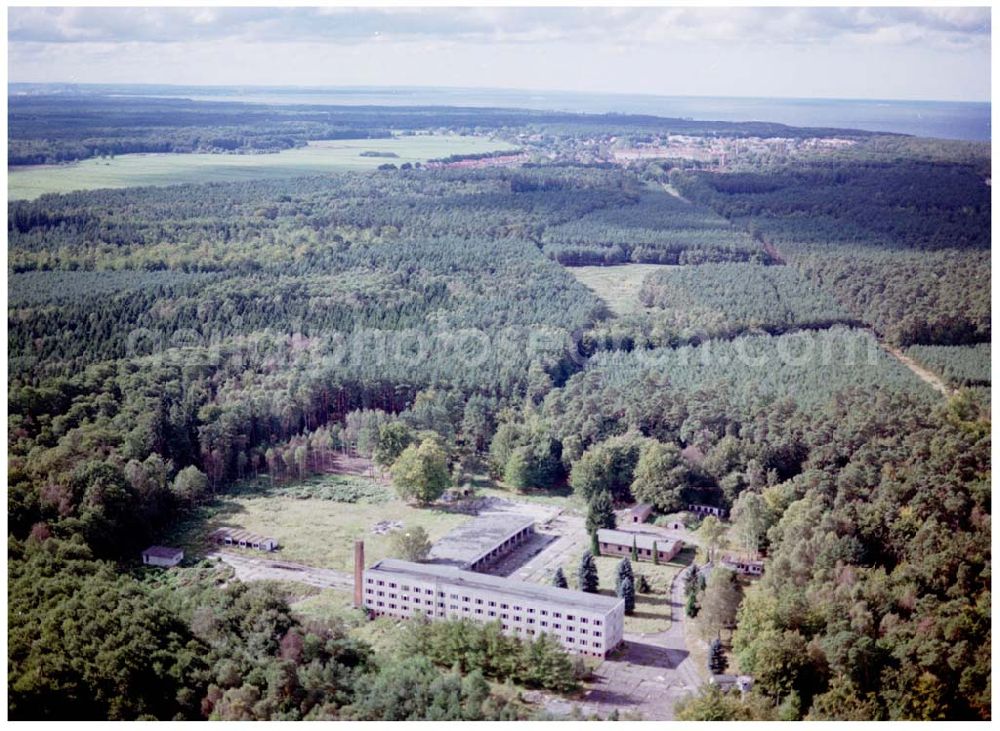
<point x="126" y="171"/>
<point x="617" y="285"/>
<point x="652" y="611"/>
<point x="315" y="532"/>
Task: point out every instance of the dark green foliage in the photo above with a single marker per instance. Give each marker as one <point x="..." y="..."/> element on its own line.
<point x="586" y="575"/>
<point x="635" y="550"/>
<point x="468" y="646"/>
<point x="607" y="468"/>
<point x="725" y="300"/>
<point x="600" y="513"/>
<point x="412" y="689"/>
<point x="626" y="590"/>
<point x="960" y="366"/>
<point x="559" y="579"/>
<point x="642" y="584"/>
<point x="623" y="571"/>
<point x="717" y="661"/>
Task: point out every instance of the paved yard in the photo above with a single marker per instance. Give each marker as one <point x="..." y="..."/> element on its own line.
<point x="258" y="568"/>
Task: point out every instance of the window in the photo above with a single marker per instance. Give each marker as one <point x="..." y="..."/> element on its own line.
<point x="545" y="612"/>
<point x="505" y="616"/>
<point x="569" y="617"/>
<point x="570" y="639"/>
<point x="370" y="581"/>
<point x="441" y="605"/>
<point x="531" y="610"/>
<point x="429" y="592"/>
<point x="453" y="596"/>
<point x="391" y="605"/>
<point x="429" y="602"/>
<point x="404" y="587"/>
<point x="479" y="601"/>
<point x="493" y="604"/>
<point x="465" y="599"/>
<point x="381" y="583"/>
<point x="517" y="618"/>
<point x="392" y="595"/>
<point x="556" y="625"/>
<point x="531" y="631"/>
<point x="381" y="604"/>
<point x="583" y="620"/>
<point x="583" y="631"/>
<point x="544" y="623"/>
<point x="504" y="606"/>
<point x="597" y="623"/>
<point x="596" y="633"/>
<point x="531" y="620"/>
<point x="392" y="585"/>
<point x="492" y="613"/>
<point x="479" y="611"/>
<point x="597" y="644"/>
<point x="557" y="615"/>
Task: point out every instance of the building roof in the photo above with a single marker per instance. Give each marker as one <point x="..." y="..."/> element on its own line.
<point x="471" y="540"/>
<point x="239" y="535"/>
<point x="163" y="552"/>
<point x="643" y="510"/>
<point x="642" y="540"/>
<point x="510" y="587"/>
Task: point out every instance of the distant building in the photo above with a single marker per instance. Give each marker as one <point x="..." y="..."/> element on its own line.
<point x="707" y="510"/>
<point x="743" y="566"/>
<point x="640" y="513"/>
<point x="162" y="556"/>
<point x="587" y="624"/>
<point x="620" y="542"/>
<point x="482" y="540"/>
<point x="243" y="539"/>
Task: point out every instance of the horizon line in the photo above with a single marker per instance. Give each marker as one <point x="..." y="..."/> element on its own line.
<point x="358" y="87"/>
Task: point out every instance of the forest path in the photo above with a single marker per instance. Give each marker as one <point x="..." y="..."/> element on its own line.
<point x="922" y="373"/>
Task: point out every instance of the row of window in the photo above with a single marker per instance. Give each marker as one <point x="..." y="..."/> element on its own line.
<point x="478" y="601"/>
<point x="491" y="613"/>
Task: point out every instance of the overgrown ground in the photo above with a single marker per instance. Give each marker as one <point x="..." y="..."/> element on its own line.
<point x="312" y="531"/>
<point x="652" y="610"/>
<point x="617" y="285"/>
<point x="127" y="171"/>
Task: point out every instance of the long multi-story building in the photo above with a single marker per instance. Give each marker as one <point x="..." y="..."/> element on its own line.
<point x="588" y="624"/>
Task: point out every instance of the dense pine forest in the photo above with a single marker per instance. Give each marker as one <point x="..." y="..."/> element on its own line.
<point x="167" y="343"/>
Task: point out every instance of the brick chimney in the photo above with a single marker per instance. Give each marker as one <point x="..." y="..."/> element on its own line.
<point x="359" y="573"/>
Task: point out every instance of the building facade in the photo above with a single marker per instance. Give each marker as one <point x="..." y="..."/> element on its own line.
<point x="586" y="624"/>
<point x="707" y="510"/>
<point x="743" y="565"/>
<point x="243" y="539"/>
<point x="641" y="512"/>
<point x="620" y="543"/>
<point x="162" y="556"/>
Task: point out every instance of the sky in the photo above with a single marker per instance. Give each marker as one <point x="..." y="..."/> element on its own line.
<point x="854" y="53"/>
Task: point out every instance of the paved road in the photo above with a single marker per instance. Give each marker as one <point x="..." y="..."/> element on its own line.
<point x="255" y="568"/>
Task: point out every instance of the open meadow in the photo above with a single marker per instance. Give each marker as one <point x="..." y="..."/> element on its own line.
<point x="313" y="530"/>
<point x="324" y="156"/>
<point x="618" y="285"/>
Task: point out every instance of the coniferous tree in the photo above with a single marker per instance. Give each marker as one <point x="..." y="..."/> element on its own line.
<point x="595" y="544"/>
<point x="656" y="554"/>
<point x="600" y="512"/>
<point x="717" y="661"/>
<point x="626" y="590"/>
<point x="623" y="571"/>
<point x="559" y="579"/>
<point x="586" y="577"/>
<point x="635" y="549"/>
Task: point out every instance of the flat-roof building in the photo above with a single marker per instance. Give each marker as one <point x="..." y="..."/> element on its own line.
<point x="480" y="541"/>
<point x="620" y="543"/>
<point x="590" y="624"/>
<point x="162" y="556"/>
<point x="243" y="539"/>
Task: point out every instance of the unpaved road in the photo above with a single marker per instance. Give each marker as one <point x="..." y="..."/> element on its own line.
<point x="254" y="568"/>
<point x="925" y="375"/>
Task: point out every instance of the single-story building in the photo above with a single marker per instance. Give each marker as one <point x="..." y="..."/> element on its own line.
<point x="640" y="513"/>
<point x="162" y="556"/>
<point x="743" y="565"/>
<point x="707" y="510"/>
<point x="727" y="682"/>
<point x="243" y="539"/>
<point x="620" y="543"/>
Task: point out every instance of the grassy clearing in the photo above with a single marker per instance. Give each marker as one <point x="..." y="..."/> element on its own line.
<point x="652" y="611"/>
<point x="313" y="532"/>
<point x="125" y="171"/>
<point x="618" y="285"/>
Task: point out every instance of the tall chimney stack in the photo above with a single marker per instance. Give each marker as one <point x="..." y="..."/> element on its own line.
<point x="359" y="573"/>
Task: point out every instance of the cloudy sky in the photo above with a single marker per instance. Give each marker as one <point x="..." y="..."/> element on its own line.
<point x="881" y="53"/>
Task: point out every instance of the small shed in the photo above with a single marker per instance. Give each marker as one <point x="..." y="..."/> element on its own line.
<point x="162" y="556"/>
<point x="640" y="513"/>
